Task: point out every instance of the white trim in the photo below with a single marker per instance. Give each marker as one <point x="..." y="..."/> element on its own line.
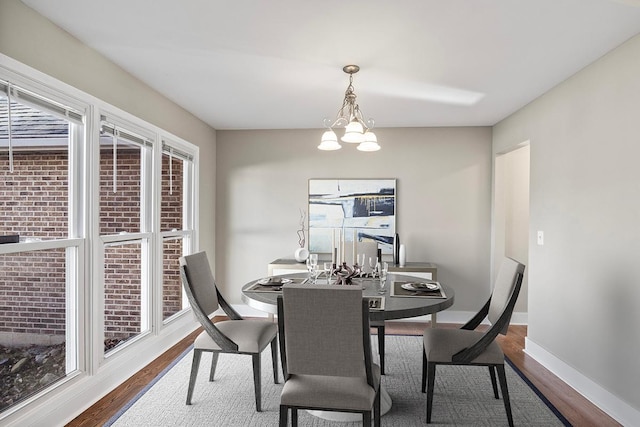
<point x="44" y="86"/>
<point x="39" y="245"/>
<point x="602" y="398"/>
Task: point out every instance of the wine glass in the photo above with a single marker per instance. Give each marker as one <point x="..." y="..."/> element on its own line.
<point x="312" y="266"/>
<point x="373" y="263"/>
<point x="313" y="259"/>
<point x="383" y="269"/>
<point x="328" y="266"/>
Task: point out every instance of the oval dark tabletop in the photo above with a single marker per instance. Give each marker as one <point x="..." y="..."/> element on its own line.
<point x="394" y="307"/>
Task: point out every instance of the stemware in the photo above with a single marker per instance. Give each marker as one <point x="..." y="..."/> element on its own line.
<point x="312" y="266"/>
<point x="328" y="267"/>
<point x="383" y="269"/>
<point x="313" y="259"/>
<point x="373" y="263"/>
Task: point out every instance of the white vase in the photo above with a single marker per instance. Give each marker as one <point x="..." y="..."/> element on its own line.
<point x="301" y="254"/>
<point x="402" y="256"/>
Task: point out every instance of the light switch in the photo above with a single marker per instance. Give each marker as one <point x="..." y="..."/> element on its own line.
<point x="540" y="238"/>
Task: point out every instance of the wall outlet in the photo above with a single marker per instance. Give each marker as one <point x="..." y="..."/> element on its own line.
<point x="540" y="238"/>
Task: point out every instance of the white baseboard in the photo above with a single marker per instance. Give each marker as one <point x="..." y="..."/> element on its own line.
<point x="617" y="409"/>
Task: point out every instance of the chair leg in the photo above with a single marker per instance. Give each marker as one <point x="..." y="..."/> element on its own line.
<point x="214" y="363"/>
<point x="494" y="384"/>
<point x="256" y="380"/>
<point x="381" y="332"/>
<point x="195" y="364"/>
<point x="424" y="371"/>
<point x="274" y="358"/>
<point x="366" y="418"/>
<point x="505" y="393"/>
<point x="284" y="412"/>
<point x="431" y="377"/>
<point x="294" y="417"/>
<point x="376" y="409"/>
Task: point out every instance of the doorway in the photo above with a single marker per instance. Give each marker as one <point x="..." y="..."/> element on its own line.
<point x="511" y="217"/>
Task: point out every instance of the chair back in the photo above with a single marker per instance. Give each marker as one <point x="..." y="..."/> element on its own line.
<point x="204" y="299"/>
<point x="507" y="282"/>
<point x="199" y="283"/>
<point x="324" y="328"/>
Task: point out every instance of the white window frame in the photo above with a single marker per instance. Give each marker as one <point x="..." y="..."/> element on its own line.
<point x="145" y="236"/>
<point x="78" y="113"/>
<point x="85" y="247"/>
<point x="189" y="154"/>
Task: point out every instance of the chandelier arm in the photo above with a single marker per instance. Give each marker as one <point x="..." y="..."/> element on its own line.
<point x="341" y="118"/>
<point x="366" y="124"/>
<point x="370" y="124"/>
<point x="340" y="121"/>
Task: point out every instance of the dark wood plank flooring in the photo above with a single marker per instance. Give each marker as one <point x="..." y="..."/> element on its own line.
<point x="578" y="410"/>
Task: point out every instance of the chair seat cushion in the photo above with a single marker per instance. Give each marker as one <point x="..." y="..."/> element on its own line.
<point x="252" y="336"/>
<point x="441" y="344"/>
<point x="330" y="392"/>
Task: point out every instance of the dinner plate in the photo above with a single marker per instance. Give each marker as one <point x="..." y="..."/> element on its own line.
<point x="428" y="286"/>
<point x="273" y="281"/>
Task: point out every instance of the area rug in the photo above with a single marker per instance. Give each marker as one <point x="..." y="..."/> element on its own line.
<point x="463" y="395"/>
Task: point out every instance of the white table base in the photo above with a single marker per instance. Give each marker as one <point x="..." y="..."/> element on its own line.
<point x="385" y="406"/>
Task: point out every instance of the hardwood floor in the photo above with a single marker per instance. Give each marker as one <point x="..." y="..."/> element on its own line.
<point x="579" y="411"/>
<point x="575" y="408"/>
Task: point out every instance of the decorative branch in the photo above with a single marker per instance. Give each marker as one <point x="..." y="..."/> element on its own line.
<point x="301" y="236"/>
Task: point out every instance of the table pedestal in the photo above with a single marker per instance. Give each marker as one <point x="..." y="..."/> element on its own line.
<point x="385" y="406"/>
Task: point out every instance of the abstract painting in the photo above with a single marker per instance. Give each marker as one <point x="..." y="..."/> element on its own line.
<point x="363" y="209"/>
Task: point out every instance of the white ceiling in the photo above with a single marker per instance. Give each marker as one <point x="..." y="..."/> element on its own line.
<point x="277" y="64"/>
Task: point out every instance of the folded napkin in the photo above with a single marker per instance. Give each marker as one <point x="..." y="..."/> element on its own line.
<point x="273" y="281"/>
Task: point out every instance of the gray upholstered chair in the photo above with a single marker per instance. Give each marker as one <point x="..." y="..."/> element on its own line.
<point x="236" y="335"/>
<point x="465" y="346"/>
<point x="325" y="345"/>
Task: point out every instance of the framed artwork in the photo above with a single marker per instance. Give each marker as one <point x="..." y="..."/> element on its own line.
<point x="361" y="209"/>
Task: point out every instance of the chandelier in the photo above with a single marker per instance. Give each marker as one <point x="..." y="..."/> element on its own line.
<point x="357" y="129"/>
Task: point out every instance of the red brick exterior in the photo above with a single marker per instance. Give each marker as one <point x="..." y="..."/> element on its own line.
<point x="34" y="203"/>
<point x="32" y="292"/>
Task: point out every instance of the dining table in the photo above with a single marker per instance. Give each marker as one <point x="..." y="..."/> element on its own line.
<point x="397" y="301"/>
<point x="395" y="306"/>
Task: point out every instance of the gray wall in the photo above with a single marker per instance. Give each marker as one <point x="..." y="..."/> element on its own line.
<point x="443" y="209"/>
<point x="584" y="297"/>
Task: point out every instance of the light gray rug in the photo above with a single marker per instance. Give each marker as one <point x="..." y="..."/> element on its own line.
<point x="463" y="395"/>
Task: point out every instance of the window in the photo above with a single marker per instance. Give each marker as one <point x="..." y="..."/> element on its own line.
<point x="176" y="223"/>
<point x="125" y="229"/>
<point x="101" y="208"/>
<point x="38" y="276"/>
